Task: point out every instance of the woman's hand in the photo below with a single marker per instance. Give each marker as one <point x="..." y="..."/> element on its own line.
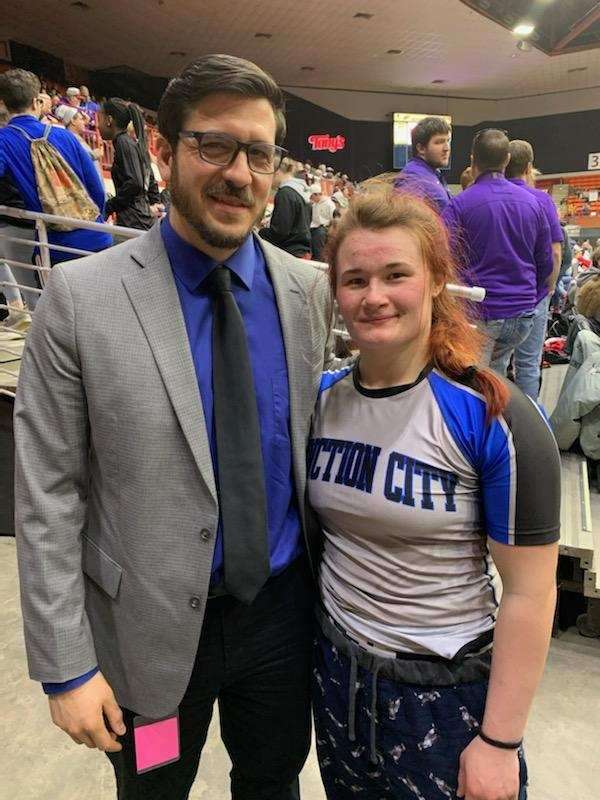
<point x="488" y="773"/>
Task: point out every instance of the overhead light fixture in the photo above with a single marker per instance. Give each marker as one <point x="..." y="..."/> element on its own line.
<point x="524" y="29"/>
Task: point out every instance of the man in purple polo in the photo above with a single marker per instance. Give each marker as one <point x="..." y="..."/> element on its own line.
<point x="431" y="153"/>
<point x="528" y="354"/>
<point x="502" y="241"/>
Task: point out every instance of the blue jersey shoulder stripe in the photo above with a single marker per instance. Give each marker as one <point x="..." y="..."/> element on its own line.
<point x="331" y="377"/>
<point x="486" y="446"/>
<point x="463" y="411"/>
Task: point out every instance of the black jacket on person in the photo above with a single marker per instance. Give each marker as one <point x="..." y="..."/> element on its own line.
<point x="11" y="196"/>
<point x="135" y="186"/>
<point x="290" y="226"/>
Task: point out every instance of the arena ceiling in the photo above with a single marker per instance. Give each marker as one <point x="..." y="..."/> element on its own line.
<point x="457" y="48"/>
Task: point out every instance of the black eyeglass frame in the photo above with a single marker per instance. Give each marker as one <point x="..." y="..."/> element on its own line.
<point x="245" y="146"/>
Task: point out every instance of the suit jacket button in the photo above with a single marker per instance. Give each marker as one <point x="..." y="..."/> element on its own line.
<point x="205" y="534"/>
<point x="195" y="602"/>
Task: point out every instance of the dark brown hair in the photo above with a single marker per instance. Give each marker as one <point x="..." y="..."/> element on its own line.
<point x="490" y="150"/>
<point x="521" y="156"/>
<point x="426" y="129"/>
<point x="18" y="89"/>
<point x="454" y="345"/>
<point x="209" y="75"/>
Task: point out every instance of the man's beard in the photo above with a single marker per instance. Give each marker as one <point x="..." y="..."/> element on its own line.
<point x="184" y="204"/>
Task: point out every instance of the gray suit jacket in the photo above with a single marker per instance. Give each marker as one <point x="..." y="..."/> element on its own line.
<point x="116" y="507"/>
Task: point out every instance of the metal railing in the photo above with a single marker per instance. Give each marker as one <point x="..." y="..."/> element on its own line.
<point x="41" y="265"/>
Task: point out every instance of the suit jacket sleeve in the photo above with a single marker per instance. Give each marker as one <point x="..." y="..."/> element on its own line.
<point x="51" y="483"/>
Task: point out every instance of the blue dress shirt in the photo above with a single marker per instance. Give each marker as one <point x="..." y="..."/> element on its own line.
<point x="255" y="297"/>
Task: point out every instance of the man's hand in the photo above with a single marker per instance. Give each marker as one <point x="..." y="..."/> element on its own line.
<point x="79" y="712"/>
<point x="488" y="773"/>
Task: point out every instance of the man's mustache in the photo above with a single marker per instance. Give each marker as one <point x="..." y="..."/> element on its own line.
<point x="226" y="189"/>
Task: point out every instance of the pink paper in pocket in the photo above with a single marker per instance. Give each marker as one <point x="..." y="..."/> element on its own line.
<point x="156" y="742"/>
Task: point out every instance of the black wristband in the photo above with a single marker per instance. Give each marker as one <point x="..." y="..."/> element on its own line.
<point x="496" y="743"/>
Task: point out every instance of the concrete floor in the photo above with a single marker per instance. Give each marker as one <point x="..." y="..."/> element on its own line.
<point x="39" y="762"/>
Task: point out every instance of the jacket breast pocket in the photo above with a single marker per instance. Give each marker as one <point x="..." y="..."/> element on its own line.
<point x="100" y="567"/>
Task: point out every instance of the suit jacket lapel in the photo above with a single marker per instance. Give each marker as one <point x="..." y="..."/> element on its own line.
<point x="153" y="295"/>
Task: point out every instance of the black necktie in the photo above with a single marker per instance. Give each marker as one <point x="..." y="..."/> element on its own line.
<point x="241" y="480"/>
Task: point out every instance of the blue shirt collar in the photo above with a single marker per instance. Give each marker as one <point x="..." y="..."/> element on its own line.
<point x="192" y="266"/>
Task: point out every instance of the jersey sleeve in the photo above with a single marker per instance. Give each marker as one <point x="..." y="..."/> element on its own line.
<point x="519" y="470"/>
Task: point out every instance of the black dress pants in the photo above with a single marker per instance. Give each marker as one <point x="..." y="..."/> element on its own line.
<point x="256" y="662"/>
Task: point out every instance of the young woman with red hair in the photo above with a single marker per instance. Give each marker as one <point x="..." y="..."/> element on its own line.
<point x="429" y="477"/>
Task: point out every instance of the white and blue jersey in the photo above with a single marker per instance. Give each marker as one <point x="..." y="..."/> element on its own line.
<point x="408" y="483"/>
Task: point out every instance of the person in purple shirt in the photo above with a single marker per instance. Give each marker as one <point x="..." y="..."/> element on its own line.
<point x="528" y="355"/>
<point x="500" y="234"/>
<point x="431" y="153"/>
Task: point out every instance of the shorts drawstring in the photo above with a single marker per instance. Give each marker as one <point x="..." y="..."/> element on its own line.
<point x="352" y="698"/>
<point x="373" y="755"/>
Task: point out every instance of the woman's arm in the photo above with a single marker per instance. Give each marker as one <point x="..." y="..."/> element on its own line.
<point x="521" y="642"/>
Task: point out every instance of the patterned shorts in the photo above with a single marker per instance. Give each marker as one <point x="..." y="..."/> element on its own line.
<point x="402" y="741"/>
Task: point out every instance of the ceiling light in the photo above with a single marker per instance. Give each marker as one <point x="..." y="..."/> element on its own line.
<point x="524" y="29"/>
<point x="363" y="15"/>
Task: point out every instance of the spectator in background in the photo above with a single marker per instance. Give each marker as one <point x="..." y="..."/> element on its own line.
<point x="19" y="91"/>
<point x="75" y="121"/>
<point x="89" y="106"/>
<point x="528" y="355"/>
<point x="431" y="153"/>
<point x="45" y="114"/>
<point x="501" y="236"/>
<point x="16" y="229"/>
<point x="323" y="209"/>
<point x="289" y="226"/>
<point x="137" y="199"/>
<point x="72" y="97"/>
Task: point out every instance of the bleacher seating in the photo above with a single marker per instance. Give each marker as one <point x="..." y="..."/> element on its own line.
<point x="578" y="539"/>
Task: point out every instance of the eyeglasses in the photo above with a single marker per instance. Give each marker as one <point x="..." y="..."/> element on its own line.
<point x="221" y="150"/>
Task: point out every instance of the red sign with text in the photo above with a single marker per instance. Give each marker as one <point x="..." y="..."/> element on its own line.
<point x="323" y="141"/>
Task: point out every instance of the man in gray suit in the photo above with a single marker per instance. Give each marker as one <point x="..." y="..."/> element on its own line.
<point x="161" y="419"/>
